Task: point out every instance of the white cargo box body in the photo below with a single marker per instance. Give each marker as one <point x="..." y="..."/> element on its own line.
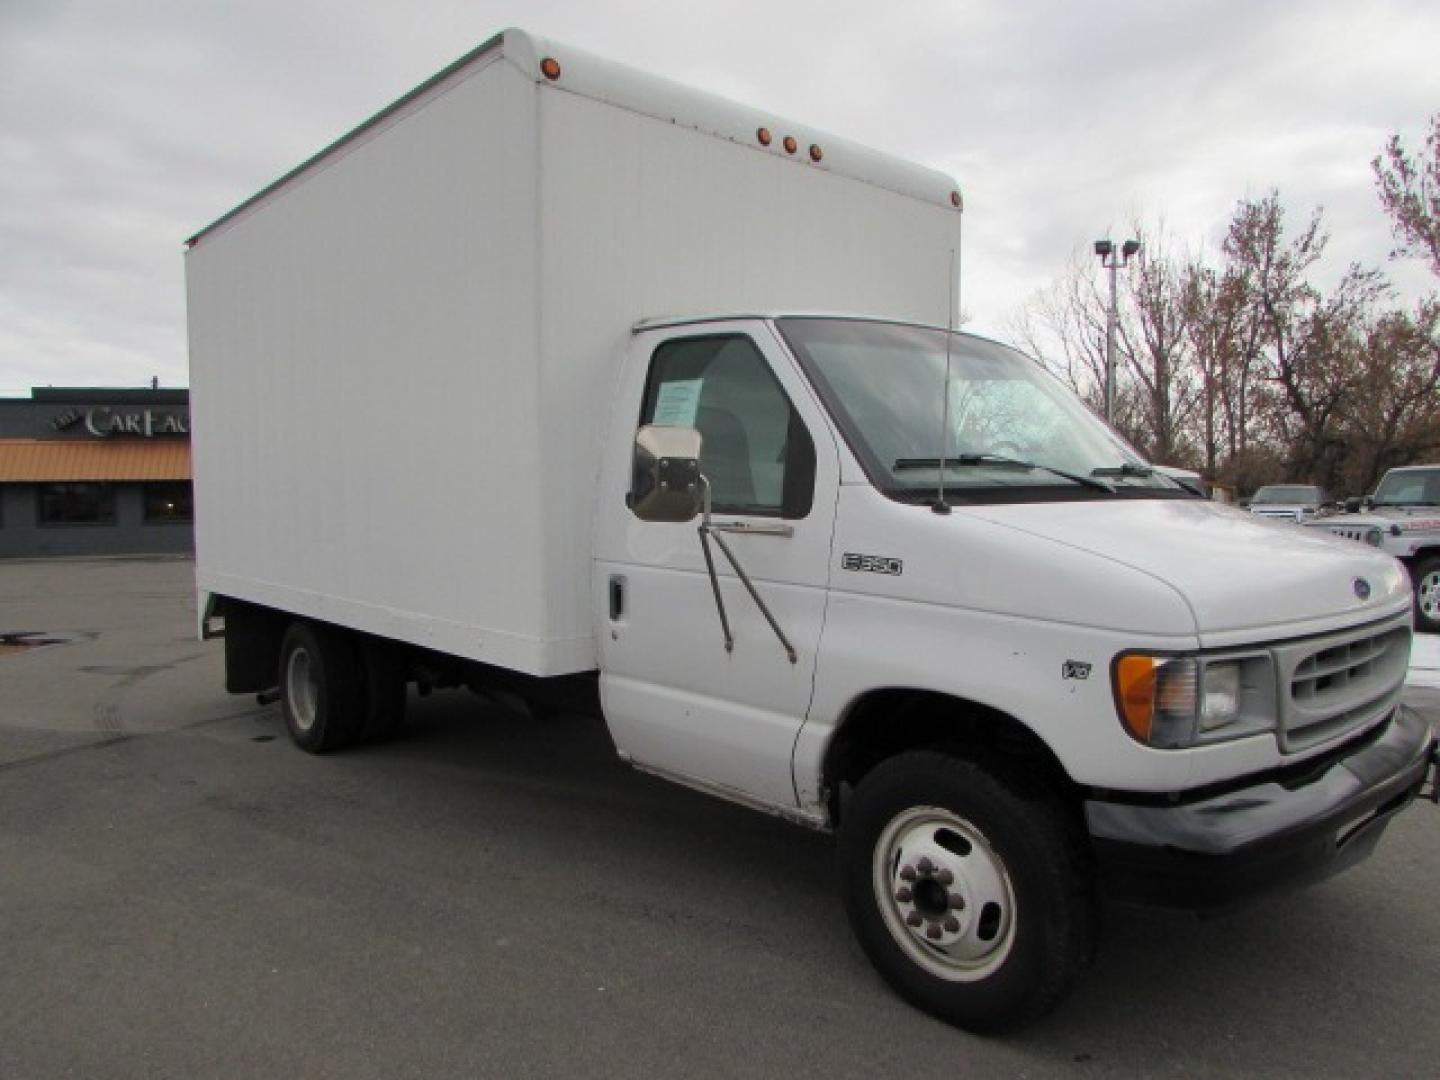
<point x="401" y="353"/>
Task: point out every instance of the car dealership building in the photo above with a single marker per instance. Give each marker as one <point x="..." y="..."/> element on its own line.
<point x="95" y="471"/>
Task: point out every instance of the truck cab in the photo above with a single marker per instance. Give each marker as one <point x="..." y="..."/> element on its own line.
<point x="966" y="626"/>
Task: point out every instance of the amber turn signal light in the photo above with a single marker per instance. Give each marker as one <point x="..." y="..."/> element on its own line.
<point x="550" y="68"/>
<point x="1135" y="687"/>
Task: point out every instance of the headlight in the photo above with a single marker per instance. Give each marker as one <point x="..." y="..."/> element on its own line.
<point x="1220" y="695"/>
<point x="1177" y="701"/>
<point x="1374" y="537"/>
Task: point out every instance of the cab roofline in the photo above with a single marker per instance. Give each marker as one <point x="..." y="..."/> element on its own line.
<point x="661" y="322"/>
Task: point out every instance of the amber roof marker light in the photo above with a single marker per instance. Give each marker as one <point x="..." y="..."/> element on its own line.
<point x="763" y="135"/>
<point x="816" y="153"/>
<point x="955" y="199"/>
<point x="550" y="68"/>
<point x="790" y="144"/>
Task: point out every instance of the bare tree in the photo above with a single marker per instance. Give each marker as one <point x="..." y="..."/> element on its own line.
<point x="1393" y="417"/>
<point x="1409" y="191"/>
<point x="1157" y="347"/>
<point x="1242" y="365"/>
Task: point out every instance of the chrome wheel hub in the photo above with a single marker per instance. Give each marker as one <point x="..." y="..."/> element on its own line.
<point x="944" y="893"/>
<point x="1427" y="595"/>
<point x="301" y="689"/>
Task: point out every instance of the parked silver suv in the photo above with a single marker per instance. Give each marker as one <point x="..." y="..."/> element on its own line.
<point x="1402" y="518"/>
<point x="1292" y="502"/>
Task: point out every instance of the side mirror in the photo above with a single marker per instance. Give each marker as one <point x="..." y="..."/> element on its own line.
<point x="665" y="475"/>
<point x="1352" y="504"/>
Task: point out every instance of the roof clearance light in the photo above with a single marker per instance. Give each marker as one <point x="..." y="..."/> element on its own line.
<point x="816" y="153"/>
<point x="790" y="144"/>
<point x="955" y="199"/>
<point x="550" y="68"/>
<point x="763" y="134"/>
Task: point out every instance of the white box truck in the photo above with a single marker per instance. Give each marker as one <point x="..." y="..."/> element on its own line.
<point x="528" y="381"/>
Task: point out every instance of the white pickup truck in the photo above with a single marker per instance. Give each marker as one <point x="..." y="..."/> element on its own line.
<point x="534" y="380"/>
<point x="1402" y="519"/>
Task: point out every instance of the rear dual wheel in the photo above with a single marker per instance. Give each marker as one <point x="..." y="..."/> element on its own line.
<point x="334" y="690"/>
<point x="967" y="892"/>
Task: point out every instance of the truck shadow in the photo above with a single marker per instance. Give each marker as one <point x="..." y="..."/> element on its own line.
<point x="1199" y="995"/>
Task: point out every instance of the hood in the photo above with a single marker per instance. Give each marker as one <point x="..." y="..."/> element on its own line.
<point x="1237" y="571"/>
<point x="1409" y="518"/>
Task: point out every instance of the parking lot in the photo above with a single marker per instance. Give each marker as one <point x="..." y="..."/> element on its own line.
<point x="182" y="893"/>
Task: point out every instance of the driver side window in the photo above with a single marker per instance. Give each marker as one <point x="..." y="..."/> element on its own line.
<point x="755" y="450"/>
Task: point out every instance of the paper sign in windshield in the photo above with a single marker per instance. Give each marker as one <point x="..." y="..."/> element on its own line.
<point x="678" y="403"/>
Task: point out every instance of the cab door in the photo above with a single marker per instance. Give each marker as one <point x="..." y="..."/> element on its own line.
<point x="676" y="700"/>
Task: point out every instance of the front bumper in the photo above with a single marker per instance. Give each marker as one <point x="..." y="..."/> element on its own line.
<point x="1219" y="851"/>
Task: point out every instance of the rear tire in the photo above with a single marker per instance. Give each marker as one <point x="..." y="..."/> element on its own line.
<point x="321" y="692"/>
<point x="968" y="893"/>
<point x="386" y="689"/>
<point x="1426" y="576"/>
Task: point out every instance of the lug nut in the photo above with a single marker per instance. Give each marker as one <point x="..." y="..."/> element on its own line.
<point x="914" y="919"/>
<point x="934" y="933"/>
<point x="951" y="924"/>
<point x="903" y="894"/>
<point x="957" y="901"/>
<point x="907" y="873"/>
<point x="926" y="866"/>
<point x="945" y="877"/>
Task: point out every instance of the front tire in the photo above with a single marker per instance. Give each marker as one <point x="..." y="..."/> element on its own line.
<point x="1426" y="576"/>
<point x="968" y="893"/>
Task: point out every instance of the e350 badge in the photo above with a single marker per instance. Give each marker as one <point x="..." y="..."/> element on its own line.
<point x="871" y="564"/>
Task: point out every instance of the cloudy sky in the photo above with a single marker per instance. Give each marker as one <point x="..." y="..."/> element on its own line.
<point x="125" y="125"/>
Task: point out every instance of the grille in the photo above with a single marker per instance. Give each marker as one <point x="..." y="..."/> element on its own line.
<point x="1350" y="532"/>
<point x="1340" y="682"/>
<point x="1282" y="515"/>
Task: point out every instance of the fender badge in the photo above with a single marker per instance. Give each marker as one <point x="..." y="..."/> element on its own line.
<point x="1075" y="669"/>
<point x="1361" y="587"/>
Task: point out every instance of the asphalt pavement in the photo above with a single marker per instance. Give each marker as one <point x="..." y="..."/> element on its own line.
<point x="184" y="894"/>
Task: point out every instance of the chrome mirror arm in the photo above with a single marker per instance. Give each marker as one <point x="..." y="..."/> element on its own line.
<point x="707" y="532"/>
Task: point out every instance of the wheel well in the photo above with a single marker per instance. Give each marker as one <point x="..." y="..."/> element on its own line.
<point x="887" y="722"/>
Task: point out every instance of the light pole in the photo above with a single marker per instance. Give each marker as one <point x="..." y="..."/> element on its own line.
<point x="1112" y="260"/>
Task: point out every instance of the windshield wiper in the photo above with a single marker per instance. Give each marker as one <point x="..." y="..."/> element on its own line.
<point x="999" y="459"/>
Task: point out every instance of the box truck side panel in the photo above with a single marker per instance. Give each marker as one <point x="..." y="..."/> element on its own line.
<point x="400" y="268"/>
<point x="643" y="218"/>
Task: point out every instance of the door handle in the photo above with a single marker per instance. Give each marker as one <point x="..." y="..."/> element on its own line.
<point x="617" y="597"/>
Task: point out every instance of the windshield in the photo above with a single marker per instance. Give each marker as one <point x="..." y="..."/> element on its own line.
<point x="1012" y="431"/>
<point x="1287" y="493"/>
<point x="1412" y="487"/>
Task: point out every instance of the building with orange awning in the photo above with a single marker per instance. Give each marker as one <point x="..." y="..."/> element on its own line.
<point x="95" y="471"/>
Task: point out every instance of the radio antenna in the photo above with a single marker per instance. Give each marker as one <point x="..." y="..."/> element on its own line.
<point x="940" y="506"/>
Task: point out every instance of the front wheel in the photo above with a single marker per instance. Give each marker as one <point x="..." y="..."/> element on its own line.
<point x="1426" y="575"/>
<point x="968" y="895"/>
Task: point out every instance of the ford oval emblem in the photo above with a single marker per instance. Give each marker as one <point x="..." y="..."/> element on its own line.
<point x="1361" y="587"/>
